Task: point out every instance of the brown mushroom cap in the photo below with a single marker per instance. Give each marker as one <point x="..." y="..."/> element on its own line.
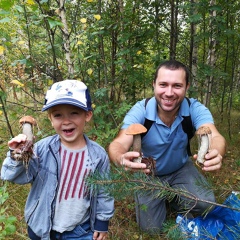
<point x="28" y="119"/>
<point x="135" y="128"/>
<point x="203" y="131"/>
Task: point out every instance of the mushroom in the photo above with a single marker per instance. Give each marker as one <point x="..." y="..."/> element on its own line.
<point x="27" y="123"/>
<point x="136" y="129"/>
<point x="24" y="151"/>
<point x="204" y="137"/>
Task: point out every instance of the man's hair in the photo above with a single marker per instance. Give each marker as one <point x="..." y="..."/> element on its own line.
<point x="173" y="65"/>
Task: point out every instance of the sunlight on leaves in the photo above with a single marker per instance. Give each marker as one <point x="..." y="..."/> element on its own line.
<point x="30" y="2"/>
<point x="21" y="42"/>
<point x="137" y="66"/>
<point x="139" y="52"/>
<point x="1" y="112"/>
<point x="79" y="42"/>
<point x="50" y="82"/>
<point x="97" y="16"/>
<point x="89" y="71"/>
<point x="16" y="82"/>
<point x="83" y="20"/>
<point x="89" y="1"/>
<point x="2" y="50"/>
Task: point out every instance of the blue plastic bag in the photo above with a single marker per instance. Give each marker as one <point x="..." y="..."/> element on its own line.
<point x="221" y="223"/>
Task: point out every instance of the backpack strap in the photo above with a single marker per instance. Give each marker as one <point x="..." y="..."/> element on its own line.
<point x="186" y="126"/>
<point x="147" y="123"/>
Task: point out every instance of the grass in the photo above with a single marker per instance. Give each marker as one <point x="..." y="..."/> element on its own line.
<point x="123" y="224"/>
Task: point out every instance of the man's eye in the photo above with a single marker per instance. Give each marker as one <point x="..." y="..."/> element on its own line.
<point x="57" y="115"/>
<point x="74" y="113"/>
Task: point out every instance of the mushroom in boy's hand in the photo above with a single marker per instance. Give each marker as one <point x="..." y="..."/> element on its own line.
<point x="24" y="151"/>
<point x="27" y="123"/>
<point x="136" y="129"/>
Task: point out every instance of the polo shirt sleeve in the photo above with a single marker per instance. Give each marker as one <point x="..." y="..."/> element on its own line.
<point x="200" y="114"/>
<point x="135" y="114"/>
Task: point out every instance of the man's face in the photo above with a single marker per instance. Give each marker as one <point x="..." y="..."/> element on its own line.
<point x="170" y="89"/>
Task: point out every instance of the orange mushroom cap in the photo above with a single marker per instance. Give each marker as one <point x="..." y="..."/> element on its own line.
<point x="135" y="128"/>
<point x="203" y="131"/>
<point x="28" y="119"/>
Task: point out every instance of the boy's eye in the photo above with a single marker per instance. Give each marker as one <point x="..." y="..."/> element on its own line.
<point x="73" y="113"/>
<point x="57" y="115"/>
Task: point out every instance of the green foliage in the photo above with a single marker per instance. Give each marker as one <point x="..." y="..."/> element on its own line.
<point x="107" y="118"/>
<point x="172" y="231"/>
<point x="7" y="223"/>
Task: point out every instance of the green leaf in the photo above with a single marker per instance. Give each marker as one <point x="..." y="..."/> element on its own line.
<point x="4" y="20"/>
<point x="54" y="23"/>
<point x="6" y="4"/>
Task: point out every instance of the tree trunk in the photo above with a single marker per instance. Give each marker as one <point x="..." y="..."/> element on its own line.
<point x="211" y="59"/>
<point x="174" y="29"/>
<point x="193" y="48"/>
<point x="66" y="38"/>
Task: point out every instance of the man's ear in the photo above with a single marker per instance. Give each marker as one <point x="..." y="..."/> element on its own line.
<point x="89" y="115"/>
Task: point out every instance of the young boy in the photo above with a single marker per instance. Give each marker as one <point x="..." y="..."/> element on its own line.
<point x="59" y="205"/>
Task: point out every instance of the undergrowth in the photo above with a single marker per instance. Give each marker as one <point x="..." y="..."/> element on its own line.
<point x="123" y="224"/>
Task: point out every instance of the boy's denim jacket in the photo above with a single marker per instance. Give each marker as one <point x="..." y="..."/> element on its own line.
<point x="43" y="173"/>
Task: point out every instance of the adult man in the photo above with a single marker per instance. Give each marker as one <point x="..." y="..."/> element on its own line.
<point x="167" y="143"/>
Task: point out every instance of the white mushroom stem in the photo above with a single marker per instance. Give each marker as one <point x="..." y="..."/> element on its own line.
<point x="203" y="147"/>
<point x="204" y="137"/>
<point x="27" y="130"/>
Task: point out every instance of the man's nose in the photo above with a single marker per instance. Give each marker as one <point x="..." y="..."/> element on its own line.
<point x="169" y="90"/>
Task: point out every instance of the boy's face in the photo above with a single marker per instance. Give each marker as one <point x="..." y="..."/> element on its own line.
<point x="69" y="121"/>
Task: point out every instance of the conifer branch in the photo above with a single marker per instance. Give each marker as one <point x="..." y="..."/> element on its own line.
<point x="120" y="184"/>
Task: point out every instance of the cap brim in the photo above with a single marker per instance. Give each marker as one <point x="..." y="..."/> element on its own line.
<point x="70" y="101"/>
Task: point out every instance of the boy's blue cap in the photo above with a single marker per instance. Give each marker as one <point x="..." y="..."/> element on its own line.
<point x="71" y="92"/>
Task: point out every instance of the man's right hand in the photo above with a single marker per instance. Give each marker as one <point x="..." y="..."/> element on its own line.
<point x="126" y="161"/>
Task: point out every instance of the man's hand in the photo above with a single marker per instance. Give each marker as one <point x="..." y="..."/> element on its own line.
<point x="128" y="164"/>
<point x="213" y="161"/>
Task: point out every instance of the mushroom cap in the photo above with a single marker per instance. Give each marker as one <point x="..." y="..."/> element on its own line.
<point x="203" y="131"/>
<point x="28" y="119"/>
<point x="135" y="128"/>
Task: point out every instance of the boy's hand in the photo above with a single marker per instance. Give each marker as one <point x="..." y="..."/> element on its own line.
<point x="17" y="141"/>
<point x="99" y="235"/>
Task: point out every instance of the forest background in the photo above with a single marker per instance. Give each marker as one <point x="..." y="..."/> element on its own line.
<point x="115" y="47"/>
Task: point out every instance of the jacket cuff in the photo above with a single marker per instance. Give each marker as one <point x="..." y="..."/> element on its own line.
<point x="101" y="226"/>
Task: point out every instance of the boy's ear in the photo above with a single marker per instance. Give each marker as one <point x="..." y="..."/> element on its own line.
<point x="89" y="115"/>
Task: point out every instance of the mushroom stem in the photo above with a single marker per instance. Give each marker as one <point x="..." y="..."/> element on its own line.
<point x="137" y="147"/>
<point x="27" y="130"/>
<point x="203" y="134"/>
<point x="203" y="148"/>
<point x="137" y="143"/>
